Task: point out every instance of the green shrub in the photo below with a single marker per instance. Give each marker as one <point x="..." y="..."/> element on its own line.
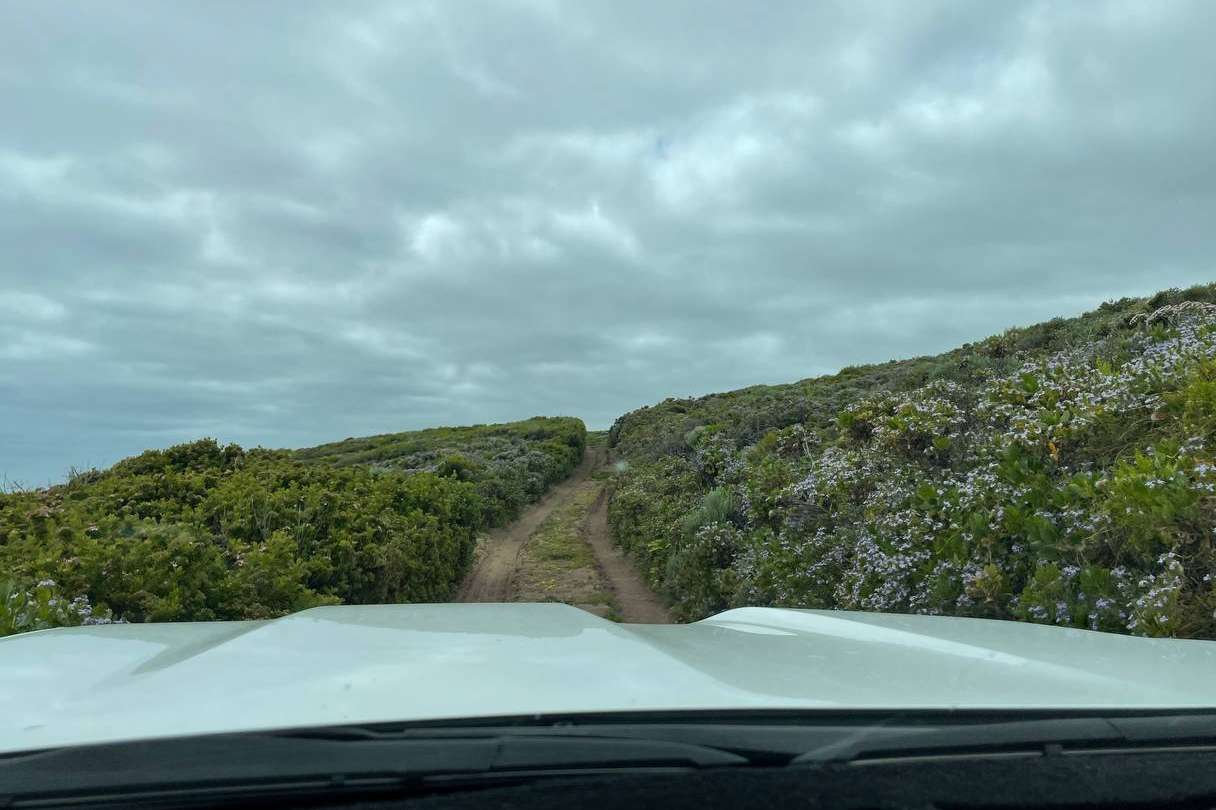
<point x="510" y="465"/>
<point x="1064" y="473"/>
<point x="42" y="606"/>
<point x="202" y="531"/>
<point x="699" y="574"/>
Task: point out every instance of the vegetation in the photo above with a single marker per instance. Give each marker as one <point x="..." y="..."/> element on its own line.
<point x="509" y="465"/>
<point x="1064" y="473"/>
<point x="202" y="531"/>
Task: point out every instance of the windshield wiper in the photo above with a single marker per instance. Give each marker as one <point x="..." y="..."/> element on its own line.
<point x="322" y="762"/>
<point x="407" y="759"/>
<point x="840" y="737"/>
<point x="1036" y="737"/>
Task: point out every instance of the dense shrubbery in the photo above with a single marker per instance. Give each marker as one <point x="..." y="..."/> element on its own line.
<point x="510" y="465"/>
<point x="1063" y="474"/>
<point x="202" y="531"/>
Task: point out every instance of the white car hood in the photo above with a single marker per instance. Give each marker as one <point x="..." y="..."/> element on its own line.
<point x="361" y="664"/>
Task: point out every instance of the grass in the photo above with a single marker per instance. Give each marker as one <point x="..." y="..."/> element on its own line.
<point x="558" y="565"/>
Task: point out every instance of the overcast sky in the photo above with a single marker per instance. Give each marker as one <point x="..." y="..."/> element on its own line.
<point x="283" y="223"/>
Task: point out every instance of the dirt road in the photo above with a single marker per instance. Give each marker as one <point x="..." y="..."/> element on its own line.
<point x="635" y="601"/>
<point x="495" y="572"/>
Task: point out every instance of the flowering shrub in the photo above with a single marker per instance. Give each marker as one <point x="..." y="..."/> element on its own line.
<point x="925" y="424"/>
<point x="1071" y="481"/>
<point x="700" y="568"/>
<point x="43" y="606"/>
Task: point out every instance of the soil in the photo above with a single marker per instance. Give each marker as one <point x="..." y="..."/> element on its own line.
<point x="502" y="571"/>
<point x="635" y="602"/>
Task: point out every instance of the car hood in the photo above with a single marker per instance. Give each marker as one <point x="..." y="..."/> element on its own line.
<point x="362" y="664"/>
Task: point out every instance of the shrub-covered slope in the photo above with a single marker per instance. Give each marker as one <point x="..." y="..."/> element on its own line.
<point x="510" y="465"/>
<point x="1064" y="473"/>
<point x="202" y="531"/>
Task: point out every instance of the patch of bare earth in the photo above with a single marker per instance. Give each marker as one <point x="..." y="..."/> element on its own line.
<point x="497" y="553"/>
<point x="560" y="550"/>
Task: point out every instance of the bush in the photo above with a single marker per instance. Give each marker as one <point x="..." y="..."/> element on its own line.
<point x="202" y="531"/>
<point x="699" y="575"/>
<point x="43" y="606"/>
<point x="510" y="465"/>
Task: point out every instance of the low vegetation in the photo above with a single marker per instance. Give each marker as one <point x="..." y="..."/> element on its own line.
<point x="509" y="465"/>
<point x="202" y="531"/>
<point x="1063" y="474"/>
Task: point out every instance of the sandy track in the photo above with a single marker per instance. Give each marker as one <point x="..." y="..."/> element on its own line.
<point x="492" y="577"/>
<point x="636" y="602"/>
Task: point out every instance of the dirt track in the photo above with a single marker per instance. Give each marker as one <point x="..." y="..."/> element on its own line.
<point x="635" y="600"/>
<point x="493" y="574"/>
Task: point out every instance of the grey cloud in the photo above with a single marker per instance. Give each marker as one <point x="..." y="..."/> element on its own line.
<point x="291" y="222"/>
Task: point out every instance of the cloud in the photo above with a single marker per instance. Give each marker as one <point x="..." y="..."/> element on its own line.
<point x="436" y="237"/>
<point x="27" y="345"/>
<point x="593" y="227"/>
<point x="731" y="151"/>
<point x="23" y="306"/>
<point x="374" y="217"/>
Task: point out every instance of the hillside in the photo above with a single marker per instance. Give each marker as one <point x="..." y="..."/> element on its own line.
<point x="1061" y="473"/>
<point x="510" y="464"/>
<point x="202" y="531"/>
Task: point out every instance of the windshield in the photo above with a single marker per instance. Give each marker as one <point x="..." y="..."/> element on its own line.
<point x="390" y="362"/>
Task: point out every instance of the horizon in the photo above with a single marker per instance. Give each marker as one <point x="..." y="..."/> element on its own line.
<point x="6" y="480"/>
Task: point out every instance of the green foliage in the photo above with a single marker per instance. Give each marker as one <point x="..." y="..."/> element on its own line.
<point x="700" y="570"/>
<point x="1149" y="500"/>
<point x="201" y="531"/>
<point x="1064" y="473"/>
<point x="717" y="506"/>
<point x="647" y="510"/>
<point x="43" y="606"/>
<point x="510" y="465"/>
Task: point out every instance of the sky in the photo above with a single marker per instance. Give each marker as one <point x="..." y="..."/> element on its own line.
<point x="284" y="223"/>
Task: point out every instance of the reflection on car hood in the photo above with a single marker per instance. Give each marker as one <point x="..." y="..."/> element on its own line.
<point x="360" y="664"/>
